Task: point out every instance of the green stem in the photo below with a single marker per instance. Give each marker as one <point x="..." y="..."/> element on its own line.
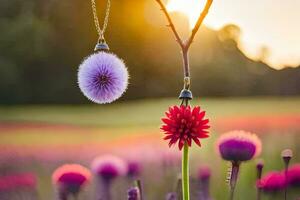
<point x="185" y="173"/>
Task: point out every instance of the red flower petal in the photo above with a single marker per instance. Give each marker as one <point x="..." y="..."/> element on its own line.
<point x="197" y="141"/>
<point x="185" y="124"/>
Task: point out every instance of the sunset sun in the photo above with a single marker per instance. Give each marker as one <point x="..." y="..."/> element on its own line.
<point x="190" y="8"/>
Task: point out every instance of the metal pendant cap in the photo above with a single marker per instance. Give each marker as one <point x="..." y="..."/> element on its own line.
<point x="101" y="46"/>
<point x="186" y="94"/>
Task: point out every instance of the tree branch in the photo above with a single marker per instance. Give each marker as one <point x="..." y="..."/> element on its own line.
<point x="186" y="45"/>
<point x="171" y="25"/>
<point x="198" y="23"/>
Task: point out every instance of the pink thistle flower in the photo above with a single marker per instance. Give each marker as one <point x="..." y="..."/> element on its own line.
<point x="18" y="181"/>
<point x="204" y="173"/>
<point x="293" y="175"/>
<point x="71" y="178"/>
<point x="109" y="167"/>
<point x="237" y="146"/>
<point x="185" y="124"/>
<point x="103" y="77"/>
<point x="272" y="182"/>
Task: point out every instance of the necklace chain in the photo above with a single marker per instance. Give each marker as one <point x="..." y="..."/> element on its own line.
<point x="96" y="19"/>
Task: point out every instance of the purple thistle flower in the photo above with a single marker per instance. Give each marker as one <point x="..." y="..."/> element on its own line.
<point x="204" y="174"/>
<point x="259" y="169"/>
<point x="107" y="168"/>
<point x="133" y="169"/>
<point x="103" y="77"/>
<point x="238" y="146"/>
<point x="133" y="194"/>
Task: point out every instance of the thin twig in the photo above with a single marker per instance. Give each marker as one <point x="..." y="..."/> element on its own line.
<point x="171" y="24"/>
<point x="186" y="45"/>
<point x="199" y="23"/>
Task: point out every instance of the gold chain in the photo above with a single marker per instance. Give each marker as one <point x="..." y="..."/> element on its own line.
<point x="96" y="19"/>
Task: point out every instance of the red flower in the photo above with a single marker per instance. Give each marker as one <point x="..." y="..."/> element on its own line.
<point x="184" y="124"/>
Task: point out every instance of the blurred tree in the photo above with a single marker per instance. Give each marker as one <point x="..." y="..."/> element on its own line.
<point x="43" y="42"/>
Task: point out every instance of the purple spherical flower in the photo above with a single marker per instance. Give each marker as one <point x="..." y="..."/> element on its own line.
<point x="272" y="182"/>
<point x="237" y="146"/>
<point x="109" y="167"/>
<point x="103" y="77"/>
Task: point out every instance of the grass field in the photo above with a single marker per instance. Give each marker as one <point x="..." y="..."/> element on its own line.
<point x="39" y="138"/>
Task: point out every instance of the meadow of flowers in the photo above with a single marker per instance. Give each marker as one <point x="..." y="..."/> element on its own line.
<point x="31" y="165"/>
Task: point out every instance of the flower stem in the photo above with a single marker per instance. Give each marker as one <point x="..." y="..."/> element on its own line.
<point x="104" y="189"/>
<point x="233" y="178"/>
<point x="185" y="173"/>
<point x="286" y="179"/>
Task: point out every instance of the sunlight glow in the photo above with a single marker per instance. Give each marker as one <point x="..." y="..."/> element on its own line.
<point x="278" y="32"/>
<point x="190" y="8"/>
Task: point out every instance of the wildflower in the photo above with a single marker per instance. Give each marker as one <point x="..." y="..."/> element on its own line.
<point x="294" y="175"/>
<point x="107" y="168"/>
<point x="103" y="77"/>
<point x="18" y="181"/>
<point x="259" y="169"/>
<point x="238" y="146"/>
<point x="185" y="124"/>
<point x="204" y="174"/>
<point x="272" y="182"/>
<point x="133" y="169"/>
<point x="286" y="155"/>
<point x="133" y="194"/>
<point x="70" y="179"/>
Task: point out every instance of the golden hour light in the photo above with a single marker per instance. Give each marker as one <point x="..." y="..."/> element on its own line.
<point x="121" y="99"/>
<point x="279" y="34"/>
<point x="190" y="8"/>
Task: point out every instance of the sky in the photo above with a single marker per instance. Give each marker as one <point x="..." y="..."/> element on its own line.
<point x="274" y="24"/>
